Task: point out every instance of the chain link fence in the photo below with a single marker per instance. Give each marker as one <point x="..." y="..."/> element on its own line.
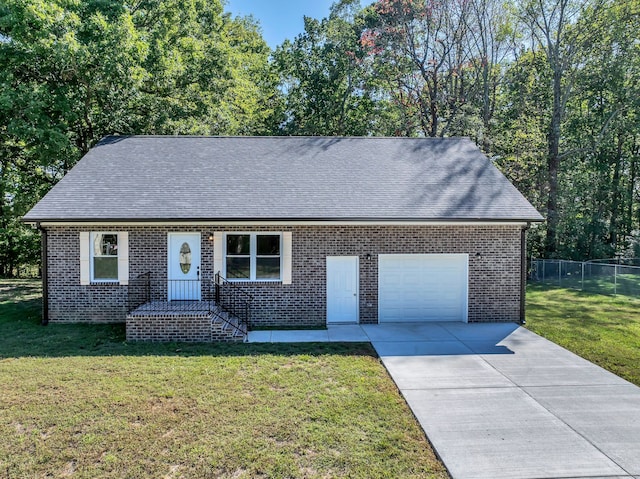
<point x="593" y="276"/>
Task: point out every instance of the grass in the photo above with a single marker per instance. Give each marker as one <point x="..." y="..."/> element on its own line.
<point x="623" y="284"/>
<point x="603" y="329"/>
<point x="79" y="401"/>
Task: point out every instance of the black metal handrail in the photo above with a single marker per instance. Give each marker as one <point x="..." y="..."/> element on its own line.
<point x="170" y="295"/>
<point x="183" y="291"/>
<point x="224" y="316"/>
<point x="139" y="291"/>
<point x="233" y="299"/>
<point x="191" y="296"/>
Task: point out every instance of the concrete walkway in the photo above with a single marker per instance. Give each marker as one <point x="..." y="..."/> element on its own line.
<point x="498" y="401"/>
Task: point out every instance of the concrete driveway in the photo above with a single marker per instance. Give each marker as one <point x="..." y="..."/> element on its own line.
<point x="498" y="401"/>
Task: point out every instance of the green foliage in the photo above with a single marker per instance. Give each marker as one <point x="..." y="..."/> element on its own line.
<point x="324" y="78"/>
<point x="553" y="100"/>
<point x="600" y="182"/>
<point x="72" y="72"/>
<point x="518" y="135"/>
<point x="596" y="199"/>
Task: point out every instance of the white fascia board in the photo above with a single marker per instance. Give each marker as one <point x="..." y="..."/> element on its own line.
<point x="286" y="223"/>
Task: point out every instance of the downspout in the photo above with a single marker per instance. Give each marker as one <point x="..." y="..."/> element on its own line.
<point x="523" y="271"/>
<point x="44" y="261"/>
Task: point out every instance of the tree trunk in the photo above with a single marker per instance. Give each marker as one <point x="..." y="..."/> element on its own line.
<point x="553" y="165"/>
<point x="433" y="106"/>
<point x="4" y="255"/>
<point x="616" y="197"/>
<point x="486" y="104"/>
<point x="630" y="202"/>
<point x="635" y="151"/>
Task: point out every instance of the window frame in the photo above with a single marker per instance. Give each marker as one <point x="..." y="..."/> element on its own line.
<point x="253" y="256"/>
<point x="93" y="255"/>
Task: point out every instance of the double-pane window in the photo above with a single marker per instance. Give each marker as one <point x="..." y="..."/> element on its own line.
<point x="238" y="256"/>
<point x="104" y="257"/>
<point x="253" y="256"/>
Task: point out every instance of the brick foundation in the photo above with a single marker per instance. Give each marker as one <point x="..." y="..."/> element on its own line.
<point x="170" y="327"/>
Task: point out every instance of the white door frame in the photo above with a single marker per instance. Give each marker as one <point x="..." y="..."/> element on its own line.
<point x="356" y="272"/>
<point x="192" y="287"/>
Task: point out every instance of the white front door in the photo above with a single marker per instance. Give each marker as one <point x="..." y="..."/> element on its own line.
<point x="342" y="289"/>
<point x="183" y="267"/>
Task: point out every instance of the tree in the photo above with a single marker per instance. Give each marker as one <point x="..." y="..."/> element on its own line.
<point x="518" y="137"/>
<point x="324" y="78"/>
<point x="74" y="71"/>
<point x="602" y="128"/>
<point x="205" y="73"/>
<point x="57" y="94"/>
<point x="493" y="37"/>
<point x="438" y="58"/>
<point x="556" y="32"/>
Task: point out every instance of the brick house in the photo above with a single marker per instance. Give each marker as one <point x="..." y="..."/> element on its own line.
<point x="194" y="238"/>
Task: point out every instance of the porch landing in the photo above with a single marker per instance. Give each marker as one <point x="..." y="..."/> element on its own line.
<point x="183" y="321"/>
<point x="176" y="308"/>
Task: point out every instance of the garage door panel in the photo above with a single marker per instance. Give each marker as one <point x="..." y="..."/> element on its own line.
<point x="423" y="287"/>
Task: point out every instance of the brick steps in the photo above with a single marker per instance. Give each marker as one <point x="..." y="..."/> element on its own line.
<point x="146" y="324"/>
<point x="225" y="327"/>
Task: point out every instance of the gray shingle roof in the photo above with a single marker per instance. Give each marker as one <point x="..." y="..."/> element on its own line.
<point x="283" y="178"/>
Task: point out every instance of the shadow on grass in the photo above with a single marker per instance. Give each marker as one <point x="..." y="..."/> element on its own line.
<point x="602" y="329"/>
<point x="585" y="313"/>
<point x="19" y="289"/>
<point x="22" y="335"/>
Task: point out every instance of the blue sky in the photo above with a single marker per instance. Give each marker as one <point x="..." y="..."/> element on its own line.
<point x="280" y="19"/>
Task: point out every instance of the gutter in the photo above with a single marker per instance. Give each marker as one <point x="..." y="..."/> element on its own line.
<point x="285" y="221"/>
<point x="44" y="261"/>
<point x="523" y="272"/>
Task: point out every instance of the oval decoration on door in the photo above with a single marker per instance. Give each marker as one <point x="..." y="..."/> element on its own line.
<point x="185" y="258"/>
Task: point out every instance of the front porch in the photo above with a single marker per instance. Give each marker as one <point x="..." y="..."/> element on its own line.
<point x="212" y="311"/>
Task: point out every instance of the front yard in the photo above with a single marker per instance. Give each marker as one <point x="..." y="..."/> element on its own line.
<point x="78" y="401"/>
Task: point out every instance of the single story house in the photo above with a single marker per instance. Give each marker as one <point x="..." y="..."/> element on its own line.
<point x="175" y="234"/>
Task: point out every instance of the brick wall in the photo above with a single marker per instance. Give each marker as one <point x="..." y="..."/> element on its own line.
<point x="494" y="274"/>
<point x="170" y="327"/>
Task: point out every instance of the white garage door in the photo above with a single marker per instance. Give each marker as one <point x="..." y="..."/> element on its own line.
<point x="422" y="287"/>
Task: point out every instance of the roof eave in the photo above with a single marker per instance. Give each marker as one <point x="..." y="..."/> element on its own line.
<point x="282" y="220"/>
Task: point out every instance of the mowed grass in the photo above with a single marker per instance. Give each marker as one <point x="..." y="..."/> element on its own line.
<point x="622" y="284"/>
<point x="78" y="401"/>
<point x="603" y="329"/>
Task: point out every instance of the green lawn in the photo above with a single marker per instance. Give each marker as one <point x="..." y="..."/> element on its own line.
<point x="622" y="284"/>
<point x="602" y="329"/>
<point x="78" y="401"/>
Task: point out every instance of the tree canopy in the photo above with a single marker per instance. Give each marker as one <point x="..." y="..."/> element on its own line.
<point x="549" y="89"/>
<point x="73" y="71"/>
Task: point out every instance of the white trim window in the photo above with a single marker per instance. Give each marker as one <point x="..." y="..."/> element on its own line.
<point x="253" y="256"/>
<point x="104" y="257"/>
